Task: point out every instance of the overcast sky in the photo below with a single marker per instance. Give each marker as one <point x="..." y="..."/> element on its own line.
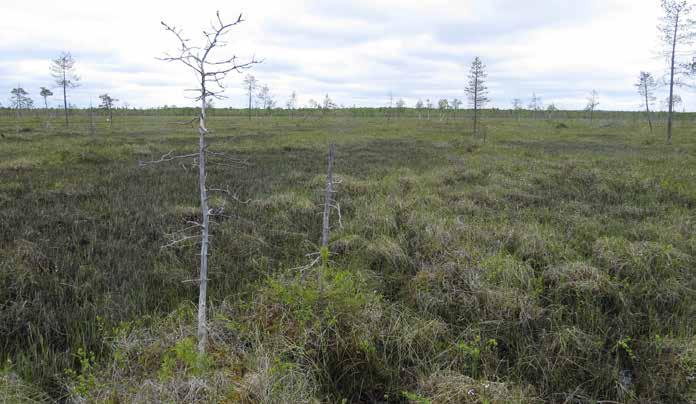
<point x="357" y="51"/>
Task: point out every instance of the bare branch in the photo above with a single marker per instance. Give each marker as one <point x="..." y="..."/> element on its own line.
<point x="167" y="157"/>
<point x="189" y="122"/>
<point x="179" y="241"/>
<point x="229" y="193"/>
<point x="306" y="267"/>
<point x="194" y="280"/>
<point x="227" y="157"/>
<point x="337" y="207"/>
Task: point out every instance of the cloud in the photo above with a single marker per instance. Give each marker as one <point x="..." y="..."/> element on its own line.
<point x="357" y="51"/>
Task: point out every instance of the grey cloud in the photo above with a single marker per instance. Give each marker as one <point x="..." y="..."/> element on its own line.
<point x="431" y="59"/>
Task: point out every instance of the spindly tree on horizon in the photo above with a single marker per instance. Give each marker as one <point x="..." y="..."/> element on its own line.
<point x="456" y="103"/>
<point x="443" y="106"/>
<point x="592" y="104"/>
<point x="535" y="105"/>
<point x="400" y="107"/>
<point x="476" y="90"/>
<point x="327" y="105"/>
<point x="677" y="29"/>
<point x="266" y="99"/>
<point x="250" y="85"/>
<point x="646" y="86"/>
<point x="107" y="103"/>
<point x="517" y="107"/>
<point x="419" y="107"/>
<point x="63" y="72"/>
<point x="291" y="104"/>
<point x="45" y="93"/>
<point x="20" y="99"/>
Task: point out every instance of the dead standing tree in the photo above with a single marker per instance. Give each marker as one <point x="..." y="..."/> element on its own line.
<point x="676" y="28"/>
<point x="328" y="202"/>
<point x="92" y="126"/>
<point x="63" y="72"/>
<point x="210" y="72"/>
<point x="250" y="84"/>
<point x="592" y="104"/>
<point x="646" y="88"/>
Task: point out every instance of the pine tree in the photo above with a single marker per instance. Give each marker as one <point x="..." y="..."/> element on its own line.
<point x="476" y="91"/>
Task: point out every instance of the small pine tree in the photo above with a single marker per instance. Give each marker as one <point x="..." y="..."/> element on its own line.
<point x="476" y="91"/>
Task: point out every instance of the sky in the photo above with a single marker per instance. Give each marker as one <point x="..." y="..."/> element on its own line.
<point x="359" y="51"/>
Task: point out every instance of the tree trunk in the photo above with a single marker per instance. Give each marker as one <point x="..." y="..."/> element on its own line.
<point x="671" y="81"/>
<point x="475" y="104"/>
<point x="92" y="128"/>
<point x="647" y="109"/>
<point x="327" y="199"/>
<point x="250" y="103"/>
<point x="65" y="99"/>
<point x="48" y="117"/>
<point x="203" y="282"/>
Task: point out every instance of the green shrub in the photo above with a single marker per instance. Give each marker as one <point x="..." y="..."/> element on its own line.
<point x="82" y="382"/>
<point x="183" y="358"/>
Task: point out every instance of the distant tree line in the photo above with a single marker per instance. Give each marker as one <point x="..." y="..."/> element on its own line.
<point x="677" y="32"/>
<point x="65" y="78"/>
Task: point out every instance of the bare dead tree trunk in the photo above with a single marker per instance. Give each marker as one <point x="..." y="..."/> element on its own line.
<point x="250" y="104"/>
<point x="47" y="113"/>
<point x="65" y="99"/>
<point x="16" y="120"/>
<point x="671" y="81"/>
<point x="647" y="108"/>
<point x="92" y="127"/>
<point x="203" y="280"/>
<point x="328" y="199"/>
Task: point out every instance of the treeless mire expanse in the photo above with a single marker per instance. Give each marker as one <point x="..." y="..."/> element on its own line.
<point x="552" y="262"/>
